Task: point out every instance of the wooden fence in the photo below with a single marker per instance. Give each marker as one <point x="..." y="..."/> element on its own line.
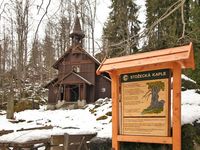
<point x="56" y="142"/>
<point x="70" y="142"/>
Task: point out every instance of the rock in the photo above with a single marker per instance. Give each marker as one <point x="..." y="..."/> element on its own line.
<point x="51" y="107"/>
<point x="187" y="84"/>
<point x="25" y="104"/>
<point x="72" y="106"/>
<point x="97" y="143"/>
<point x="99" y="101"/>
<point x="81" y="103"/>
<point x="60" y="104"/>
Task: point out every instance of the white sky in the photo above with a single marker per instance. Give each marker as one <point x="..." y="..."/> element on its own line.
<point x="101" y="16"/>
<point x="103" y="13"/>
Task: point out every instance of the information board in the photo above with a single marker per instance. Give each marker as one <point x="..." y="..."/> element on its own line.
<point x="145" y="103"/>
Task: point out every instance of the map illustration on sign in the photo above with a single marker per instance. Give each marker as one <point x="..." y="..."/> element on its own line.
<point x="145" y="103"/>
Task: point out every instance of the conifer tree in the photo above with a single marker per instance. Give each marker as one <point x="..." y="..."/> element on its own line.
<point x="122" y="27"/>
<point x="48" y="50"/>
<point x="166" y="32"/>
<point x="194" y="36"/>
<point x="171" y="32"/>
<point x="35" y="58"/>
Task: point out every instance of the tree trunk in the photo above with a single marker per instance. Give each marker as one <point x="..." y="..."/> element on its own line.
<point x="10" y="107"/>
<point x="154" y="97"/>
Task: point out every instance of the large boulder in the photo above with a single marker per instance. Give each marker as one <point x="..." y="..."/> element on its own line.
<point x="25" y="104"/>
<point x="100" y="144"/>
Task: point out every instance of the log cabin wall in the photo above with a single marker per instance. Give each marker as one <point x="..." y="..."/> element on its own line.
<point x="103" y="87"/>
<point x="90" y="96"/>
<point x="87" y="67"/>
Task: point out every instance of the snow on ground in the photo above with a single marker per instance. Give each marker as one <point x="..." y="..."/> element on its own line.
<point x="63" y="121"/>
<point x="81" y="120"/>
<point x="190" y="106"/>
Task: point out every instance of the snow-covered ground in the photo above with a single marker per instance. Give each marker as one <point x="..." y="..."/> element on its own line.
<point x="62" y="121"/>
<point x="190" y="107"/>
<point x="85" y="120"/>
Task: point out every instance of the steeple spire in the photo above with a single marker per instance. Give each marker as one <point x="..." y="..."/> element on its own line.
<point x="77" y="35"/>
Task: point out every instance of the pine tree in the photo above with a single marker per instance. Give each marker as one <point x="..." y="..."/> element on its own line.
<point x="35" y="53"/>
<point x="166" y="32"/>
<point x="64" y="31"/>
<point x="194" y="35"/>
<point x="170" y="31"/>
<point x="48" y="50"/>
<point x="122" y="27"/>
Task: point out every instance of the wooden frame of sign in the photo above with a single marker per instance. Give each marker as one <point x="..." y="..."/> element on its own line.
<point x="145" y="102"/>
<point x="135" y="109"/>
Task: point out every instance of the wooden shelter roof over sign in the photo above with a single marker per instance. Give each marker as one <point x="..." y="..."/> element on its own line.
<point x="182" y="54"/>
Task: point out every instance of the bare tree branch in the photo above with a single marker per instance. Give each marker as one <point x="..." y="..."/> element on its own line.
<point x="3" y="10"/>
<point x="40" y="6"/>
<point x="46" y="11"/>
<point x="1" y="3"/>
<point x="183" y="21"/>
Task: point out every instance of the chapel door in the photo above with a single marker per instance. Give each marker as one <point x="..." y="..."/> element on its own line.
<point x="74" y="93"/>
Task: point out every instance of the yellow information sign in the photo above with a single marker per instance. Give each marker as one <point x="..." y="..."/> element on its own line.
<point x="145" y="103"/>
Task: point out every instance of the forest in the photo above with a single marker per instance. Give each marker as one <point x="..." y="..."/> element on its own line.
<point x="32" y="38"/>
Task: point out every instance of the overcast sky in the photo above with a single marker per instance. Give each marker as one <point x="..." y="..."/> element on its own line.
<point x="101" y="16"/>
<point x="103" y="13"/>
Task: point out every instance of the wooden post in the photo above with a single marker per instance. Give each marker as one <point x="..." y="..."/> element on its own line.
<point x="64" y="92"/>
<point x="176" y="107"/>
<point x="66" y="141"/>
<point x="115" y="110"/>
<point x="84" y="91"/>
<point x="10" y="107"/>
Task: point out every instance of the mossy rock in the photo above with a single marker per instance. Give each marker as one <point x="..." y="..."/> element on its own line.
<point x="109" y="113"/>
<point x="96" y="106"/>
<point x="92" y="111"/>
<point x="104" y="117"/>
<point x="97" y="143"/>
<point x="152" y="110"/>
<point x="183" y="88"/>
<point x="25" y="104"/>
<point x="198" y="91"/>
<point x="188" y="137"/>
<point x="189" y="84"/>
